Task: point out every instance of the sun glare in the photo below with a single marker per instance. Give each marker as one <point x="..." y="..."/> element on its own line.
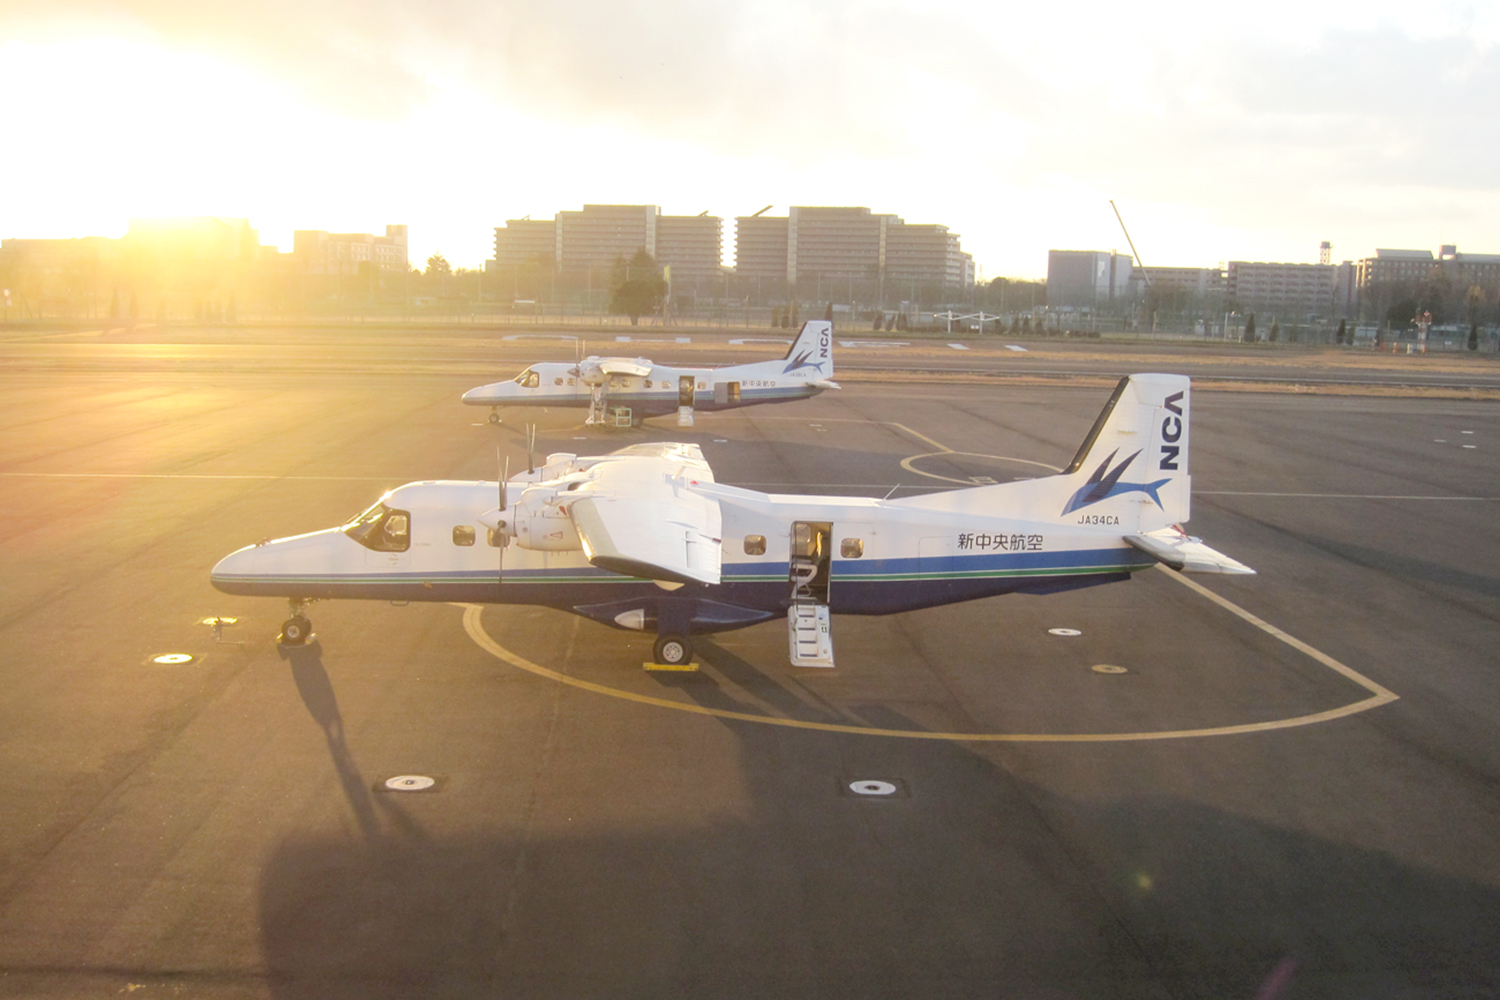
<point x="111" y="129"/>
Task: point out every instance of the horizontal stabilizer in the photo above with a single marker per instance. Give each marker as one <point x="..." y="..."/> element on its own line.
<point x="826" y="383"/>
<point x="1176" y="548"/>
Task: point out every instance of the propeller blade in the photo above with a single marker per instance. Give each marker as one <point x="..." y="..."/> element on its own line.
<point x="530" y="449"/>
<point x="501" y="527"/>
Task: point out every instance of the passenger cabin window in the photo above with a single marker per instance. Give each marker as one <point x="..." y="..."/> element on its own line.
<point x="463" y="534"/>
<point x="494" y="539"/>
<point x="382" y="528"/>
<point x="755" y="545"/>
<point x="557" y="381"/>
<point x="852" y="548"/>
<point x="528" y="379"/>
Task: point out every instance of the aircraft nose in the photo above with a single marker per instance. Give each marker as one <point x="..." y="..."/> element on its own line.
<point x="273" y="565"/>
<point x="240" y="568"/>
<point x="486" y="395"/>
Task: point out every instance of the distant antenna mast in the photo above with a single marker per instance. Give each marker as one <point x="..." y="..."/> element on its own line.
<point x="1145" y="275"/>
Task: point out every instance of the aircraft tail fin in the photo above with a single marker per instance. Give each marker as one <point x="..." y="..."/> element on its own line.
<point x="1132" y="468"/>
<point x="812" y="351"/>
<point x="1131" y="471"/>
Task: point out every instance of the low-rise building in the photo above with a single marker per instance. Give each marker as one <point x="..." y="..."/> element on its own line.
<point x="320" y="252"/>
<point x="1088" y="279"/>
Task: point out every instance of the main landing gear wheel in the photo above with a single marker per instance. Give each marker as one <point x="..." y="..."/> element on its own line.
<point x="672" y="650"/>
<point x="295" y="630"/>
<point x="494" y="417"/>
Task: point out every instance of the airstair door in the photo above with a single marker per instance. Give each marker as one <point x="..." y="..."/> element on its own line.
<point x="808" y="629"/>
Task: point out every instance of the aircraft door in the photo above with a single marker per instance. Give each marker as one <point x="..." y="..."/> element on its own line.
<point x="685" y="390"/>
<point x="726" y="393"/>
<point x="809" y="561"/>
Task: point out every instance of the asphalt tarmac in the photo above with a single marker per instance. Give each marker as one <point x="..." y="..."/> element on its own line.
<point x="495" y="352"/>
<point x="1289" y="792"/>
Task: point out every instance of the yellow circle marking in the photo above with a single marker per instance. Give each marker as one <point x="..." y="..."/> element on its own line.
<point x="942" y="449"/>
<point x="1380" y="696"/>
<point x="906" y="463"/>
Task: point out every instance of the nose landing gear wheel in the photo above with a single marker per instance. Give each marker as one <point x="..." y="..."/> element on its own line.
<point x="672" y="650"/>
<point x="294" y="631"/>
<point x="494" y="417"/>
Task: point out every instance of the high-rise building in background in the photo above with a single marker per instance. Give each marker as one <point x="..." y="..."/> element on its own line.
<point x="819" y="251"/>
<point x="600" y="235"/>
<point x="691" y="245"/>
<point x="525" y="241"/>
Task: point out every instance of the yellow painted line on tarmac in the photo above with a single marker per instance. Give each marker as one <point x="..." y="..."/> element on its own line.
<point x="942" y="449"/>
<point x="1380" y="696"/>
<point x="906" y="463"/>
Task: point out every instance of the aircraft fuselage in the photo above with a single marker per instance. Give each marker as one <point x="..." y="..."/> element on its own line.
<point x="873" y="557"/>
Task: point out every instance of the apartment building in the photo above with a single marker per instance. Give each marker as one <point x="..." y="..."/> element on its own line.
<point x="1202" y="284"/>
<point x="691" y="245"/>
<point x="1296" y="292"/>
<point x="825" y="244"/>
<point x="598" y="235"/>
<point x="522" y="241"/>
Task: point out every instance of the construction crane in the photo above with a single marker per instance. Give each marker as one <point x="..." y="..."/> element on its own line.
<point x="1145" y="275"/>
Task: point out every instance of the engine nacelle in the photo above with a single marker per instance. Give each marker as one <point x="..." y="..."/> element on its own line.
<point x="590" y="372"/>
<point x="536" y="521"/>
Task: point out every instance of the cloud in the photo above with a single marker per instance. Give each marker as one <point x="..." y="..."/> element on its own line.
<point x="972" y="114"/>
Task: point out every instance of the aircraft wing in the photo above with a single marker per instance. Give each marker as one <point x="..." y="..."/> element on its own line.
<point x="638" y="515"/>
<point x="625" y="366"/>
<point x="1181" y="551"/>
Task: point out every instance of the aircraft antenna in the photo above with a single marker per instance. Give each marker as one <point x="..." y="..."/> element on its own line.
<point x="1145" y="275"/>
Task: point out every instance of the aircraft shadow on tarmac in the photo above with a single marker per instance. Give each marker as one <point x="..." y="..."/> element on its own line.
<point x="316" y="690"/>
<point x="977" y="884"/>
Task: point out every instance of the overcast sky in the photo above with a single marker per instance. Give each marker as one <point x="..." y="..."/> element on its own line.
<point x="1221" y="131"/>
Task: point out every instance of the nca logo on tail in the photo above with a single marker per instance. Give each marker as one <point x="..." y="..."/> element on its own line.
<point x="801" y="360"/>
<point x="1171" y="432"/>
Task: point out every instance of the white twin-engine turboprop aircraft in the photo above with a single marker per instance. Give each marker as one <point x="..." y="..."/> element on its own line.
<point x="645" y="539"/>
<point x="649" y="390"/>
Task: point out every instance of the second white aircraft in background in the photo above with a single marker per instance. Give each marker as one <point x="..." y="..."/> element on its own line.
<point x="626" y="390"/>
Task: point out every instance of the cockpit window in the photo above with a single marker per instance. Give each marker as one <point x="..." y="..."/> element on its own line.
<point x="528" y="379"/>
<point x="382" y="528"/>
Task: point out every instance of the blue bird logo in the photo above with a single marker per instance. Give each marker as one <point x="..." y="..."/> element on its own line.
<point x="800" y="361"/>
<point x="1105" y="483"/>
